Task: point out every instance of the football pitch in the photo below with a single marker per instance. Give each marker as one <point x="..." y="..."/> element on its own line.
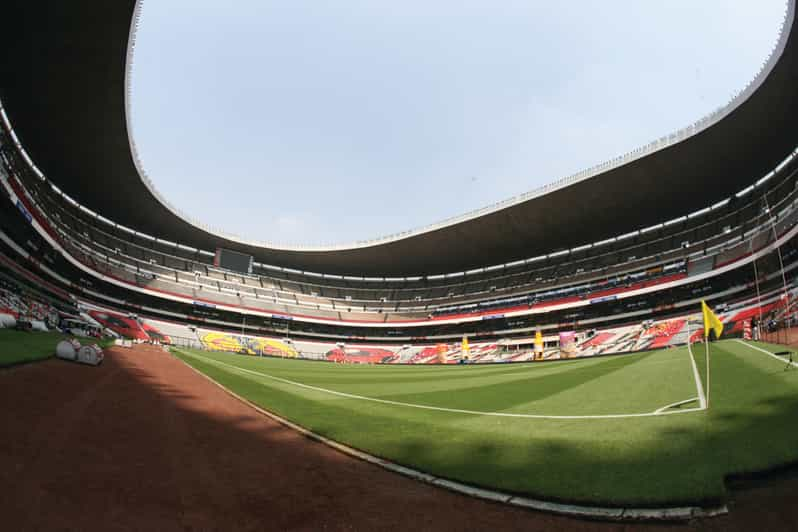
<point x="620" y="430"/>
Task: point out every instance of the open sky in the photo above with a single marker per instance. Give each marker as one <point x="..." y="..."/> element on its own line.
<point x="304" y="122"/>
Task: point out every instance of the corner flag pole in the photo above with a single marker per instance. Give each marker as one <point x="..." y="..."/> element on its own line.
<point x="706" y="343"/>
<point x="711" y="322"/>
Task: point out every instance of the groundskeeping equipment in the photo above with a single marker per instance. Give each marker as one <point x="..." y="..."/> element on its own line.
<point x="72" y="350"/>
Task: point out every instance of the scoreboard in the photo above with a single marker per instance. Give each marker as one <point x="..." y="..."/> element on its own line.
<point x="233" y="260"/>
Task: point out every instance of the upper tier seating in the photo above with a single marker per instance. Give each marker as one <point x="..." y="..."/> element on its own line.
<point x="706" y="232"/>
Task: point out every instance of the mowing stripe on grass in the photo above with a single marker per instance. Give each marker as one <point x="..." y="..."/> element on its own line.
<point x="794" y="364"/>
<point x="658" y="412"/>
<point x="681" y="513"/>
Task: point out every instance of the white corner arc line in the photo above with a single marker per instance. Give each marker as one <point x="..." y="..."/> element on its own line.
<point x="436" y="408"/>
<point x="794" y="364"/>
<point x="691" y="400"/>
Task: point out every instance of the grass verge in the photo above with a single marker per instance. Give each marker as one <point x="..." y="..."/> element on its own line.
<point x="21" y="347"/>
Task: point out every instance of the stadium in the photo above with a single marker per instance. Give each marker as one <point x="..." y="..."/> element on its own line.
<point x="559" y="374"/>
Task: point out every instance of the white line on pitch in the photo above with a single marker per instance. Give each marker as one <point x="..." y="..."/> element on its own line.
<point x="794" y="364"/>
<point x="691" y="400"/>
<point x="436" y="408"/>
<point x="702" y="398"/>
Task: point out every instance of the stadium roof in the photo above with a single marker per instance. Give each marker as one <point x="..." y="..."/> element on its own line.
<point x="63" y="83"/>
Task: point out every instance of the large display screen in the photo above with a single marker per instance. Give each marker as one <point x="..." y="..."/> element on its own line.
<point x="233" y="260"/>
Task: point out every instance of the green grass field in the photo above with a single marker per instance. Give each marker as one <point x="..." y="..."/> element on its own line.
<point x="22" y="347"/>
<point x="497" y="426"/>
<point x="19" y="347"/>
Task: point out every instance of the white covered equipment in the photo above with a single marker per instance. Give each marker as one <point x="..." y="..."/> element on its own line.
<point x="7" y="320"/>
<point x="72" y="350"/>
<point x="90" y="354"/>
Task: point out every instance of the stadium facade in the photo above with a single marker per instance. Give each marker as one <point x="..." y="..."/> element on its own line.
<point x="708" y="212"/>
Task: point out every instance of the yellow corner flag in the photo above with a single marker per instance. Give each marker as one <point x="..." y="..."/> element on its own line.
<point x="538" y="345"/>
<point x="711" y="321"/>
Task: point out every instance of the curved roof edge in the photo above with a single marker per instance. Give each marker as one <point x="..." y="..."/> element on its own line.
<point x="657" y="145"/>
<point x="64" y="83"/>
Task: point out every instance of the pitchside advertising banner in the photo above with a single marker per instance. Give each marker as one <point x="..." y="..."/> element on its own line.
<point x="567" y="344"/>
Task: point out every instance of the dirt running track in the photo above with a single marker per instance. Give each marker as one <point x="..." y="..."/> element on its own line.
<point x="144" y="443"/>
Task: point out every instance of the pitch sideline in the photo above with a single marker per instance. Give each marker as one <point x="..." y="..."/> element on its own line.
<point x="794" y="364"/>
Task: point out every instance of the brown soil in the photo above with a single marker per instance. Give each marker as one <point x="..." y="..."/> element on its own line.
<point x="144" y="443"/>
